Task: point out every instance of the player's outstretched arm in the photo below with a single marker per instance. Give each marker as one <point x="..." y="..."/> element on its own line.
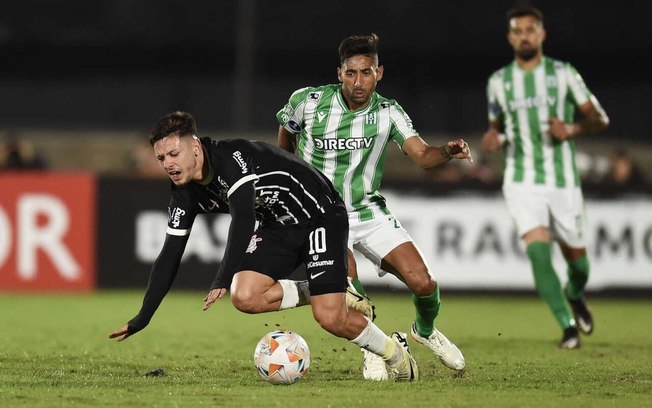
<point x="161" y="277"/>
<point x="426" y="156"/>
<point x="457" y="149"/>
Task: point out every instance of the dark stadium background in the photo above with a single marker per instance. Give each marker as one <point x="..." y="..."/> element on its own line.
<point x="120" y="64"/>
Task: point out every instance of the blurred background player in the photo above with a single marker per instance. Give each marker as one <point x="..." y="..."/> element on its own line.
<point x="344" y="131"/>
<point x="18" y="154"/>
<point x="532" y="105"/>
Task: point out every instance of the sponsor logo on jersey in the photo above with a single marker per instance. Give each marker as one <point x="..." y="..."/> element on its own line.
<point x="320" y="116"/>
<point x="327" y="262"/>
<point x="253" y="244"/>
<point x="237" y="156"/>
<point x="294" y="126"/>
<point x="314" y="96"/>
<point x="531" y="102"/>
<point x="209" y="207"/>
<point x="352" y="143"/>
<point x="384" y="105"/>
<point x="175" y="216"/>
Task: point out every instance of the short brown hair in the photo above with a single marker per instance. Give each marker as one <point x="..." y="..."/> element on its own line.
<point x="366" y="45"/>
<point x="181" y="123"/>
<point x="524" y="11"/>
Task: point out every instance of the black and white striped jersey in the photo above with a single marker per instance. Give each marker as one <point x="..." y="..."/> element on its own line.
<point x="254" y="182"/>
<point x="287" y="190"/>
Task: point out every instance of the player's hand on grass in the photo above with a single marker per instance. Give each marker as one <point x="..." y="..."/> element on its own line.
<point x="459" y="149"/>
<point x="212" y="296"/>
<point x="121" y="334"/>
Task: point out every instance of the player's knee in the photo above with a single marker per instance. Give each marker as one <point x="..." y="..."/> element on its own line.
<point x="422" y="284"/>
<point x="330" y="321"/>
<point x="245" y="302"/>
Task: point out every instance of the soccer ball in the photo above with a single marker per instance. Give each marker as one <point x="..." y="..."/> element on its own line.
<point x="282" y="357"/>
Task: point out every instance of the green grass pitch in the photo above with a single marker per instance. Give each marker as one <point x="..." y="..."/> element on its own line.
<point x="55" y="352"/>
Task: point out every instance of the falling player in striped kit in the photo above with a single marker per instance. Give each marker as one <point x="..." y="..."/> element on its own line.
<point x="532" y="104"/>
<point x="344" y="130"/>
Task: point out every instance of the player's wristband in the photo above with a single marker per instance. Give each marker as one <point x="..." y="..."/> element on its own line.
<point x="444" y="153"/>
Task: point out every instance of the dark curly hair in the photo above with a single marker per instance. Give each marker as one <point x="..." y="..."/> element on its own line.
<point x="366" y="45"/>
<point x="181" y="123"/>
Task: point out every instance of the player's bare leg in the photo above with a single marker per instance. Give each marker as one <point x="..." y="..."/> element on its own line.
<point x="406" y="262"/>
<point x="253" y="292"/>
<point x="332" y="314"/>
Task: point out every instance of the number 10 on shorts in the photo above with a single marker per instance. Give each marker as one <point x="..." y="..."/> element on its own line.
<point x="317" y="240"/>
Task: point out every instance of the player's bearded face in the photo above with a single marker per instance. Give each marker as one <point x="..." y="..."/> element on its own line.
<point x="178" y="157"/>
<point x="359" y="75"/>
<point x="526" y="36"/>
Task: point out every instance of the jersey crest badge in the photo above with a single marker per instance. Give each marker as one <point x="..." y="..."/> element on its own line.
<point x="253" y="244"/>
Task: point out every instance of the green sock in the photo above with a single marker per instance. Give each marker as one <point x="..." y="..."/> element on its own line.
<point x="427" y="308"/>
<point x="547" y="282"/>
<point x="358" y="286"/>
<point x="578" y="275"/>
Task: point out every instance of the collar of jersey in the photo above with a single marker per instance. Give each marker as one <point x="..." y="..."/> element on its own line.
<point x="541" y="64"/>
<point x="342" y="102"/>
<point x="211" y="172"/>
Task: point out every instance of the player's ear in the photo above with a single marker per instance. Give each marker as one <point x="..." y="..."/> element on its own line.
<point x="196" y="145"/>
<point x="339" y="74"/>
<point x="379" y="73"/>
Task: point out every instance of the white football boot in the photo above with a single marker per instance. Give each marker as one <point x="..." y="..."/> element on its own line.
<point x="447" y="352"/>
<point x="406" y="368"/>
<point x="374" y="367"/>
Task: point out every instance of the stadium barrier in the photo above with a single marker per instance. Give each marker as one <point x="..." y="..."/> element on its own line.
<point x="75" y="232"/>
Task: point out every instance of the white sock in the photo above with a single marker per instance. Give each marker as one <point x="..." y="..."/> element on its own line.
<point x="373" y="339"/>
<point x="295" y="293"/>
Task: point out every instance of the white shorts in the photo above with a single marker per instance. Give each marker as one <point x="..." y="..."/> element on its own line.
<point x="559" y="209"/>
<point x="376" y="238"/>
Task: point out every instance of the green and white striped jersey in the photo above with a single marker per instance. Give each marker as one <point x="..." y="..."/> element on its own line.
<point x="348" y="147"/>
<point x="523" y="102"/>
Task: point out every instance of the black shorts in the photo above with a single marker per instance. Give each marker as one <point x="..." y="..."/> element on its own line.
<point x="320" y="245"/>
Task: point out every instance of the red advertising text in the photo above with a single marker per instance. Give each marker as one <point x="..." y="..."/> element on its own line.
<point x="47" y="231"/>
